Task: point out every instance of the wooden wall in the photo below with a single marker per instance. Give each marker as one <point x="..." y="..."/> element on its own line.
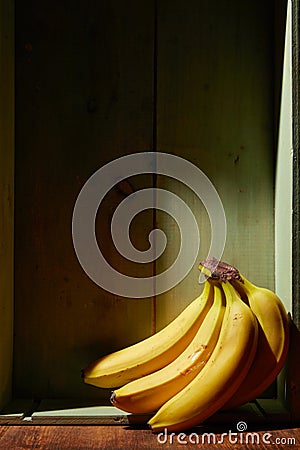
<point x="215" y="108"/>
<point x="84" y="97"/>
<point x="6" y="196"/>
<point x="111" y="78"/>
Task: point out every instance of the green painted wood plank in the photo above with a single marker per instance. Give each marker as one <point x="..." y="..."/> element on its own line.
<point x="15" y="411"/>
<point x="283" y="181"/>
<point x="296" y="163"/>
<point x="6" y="196"/>
<point x="274" y="410"/>
<point x="248" y="413"/>
<point x="67" y="411"/>
<point x="215" y="108"/>
<point x="85" y="97"/>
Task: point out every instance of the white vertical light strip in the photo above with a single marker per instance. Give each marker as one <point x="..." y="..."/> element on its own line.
<point x="283" y="183"/>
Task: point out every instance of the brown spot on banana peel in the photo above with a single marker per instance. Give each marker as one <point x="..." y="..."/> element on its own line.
<point x="237" y="316"/>
<point x="192" y="368"/>
<point x="193" y="356"/>
<point x="196" y="353"/>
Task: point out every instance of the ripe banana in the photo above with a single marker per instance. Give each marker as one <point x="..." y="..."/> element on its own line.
<point x="154" y="352"/>
<point x="149" y="393"/>
<point x="222" y="374"/>
<point x="273" y="341"/>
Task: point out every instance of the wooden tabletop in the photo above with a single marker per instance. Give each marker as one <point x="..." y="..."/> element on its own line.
<point x="60" y="437"/>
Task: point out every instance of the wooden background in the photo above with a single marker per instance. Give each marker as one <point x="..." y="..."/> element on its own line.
<point x="105" y="79"/>
<point x="6" y="199"/>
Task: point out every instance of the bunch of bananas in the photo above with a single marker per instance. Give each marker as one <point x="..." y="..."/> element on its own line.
<point x="222" y="351"/>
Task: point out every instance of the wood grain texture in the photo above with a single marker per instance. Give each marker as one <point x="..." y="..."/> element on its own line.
<point x="76" y="412"/>
<point x="84" y="98"/>
<point x="3" y="430"/>
<point x="283" y="181"/>
<point x="6" y="196"/>
<point x="16" y="410"/>
<point x="90" y="412"/>
<point x="117" y="438"/>
<point x="215" y="108"/>
<point x="296" y="158"/>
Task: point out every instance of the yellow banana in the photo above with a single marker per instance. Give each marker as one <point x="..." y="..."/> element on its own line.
<point x="273" y="341"/>
<point x="149" y="393"/>
<point x="222" y="374"/>
<point x="154" y="352"/>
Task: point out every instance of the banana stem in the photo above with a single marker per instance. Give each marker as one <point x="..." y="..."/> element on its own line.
<point x="220" y="270"/>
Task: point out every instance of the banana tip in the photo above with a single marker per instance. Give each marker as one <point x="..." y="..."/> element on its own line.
<point x="149" y="425"/>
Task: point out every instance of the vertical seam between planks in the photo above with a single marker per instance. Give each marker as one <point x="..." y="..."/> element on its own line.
<point x="154" y="149"/>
